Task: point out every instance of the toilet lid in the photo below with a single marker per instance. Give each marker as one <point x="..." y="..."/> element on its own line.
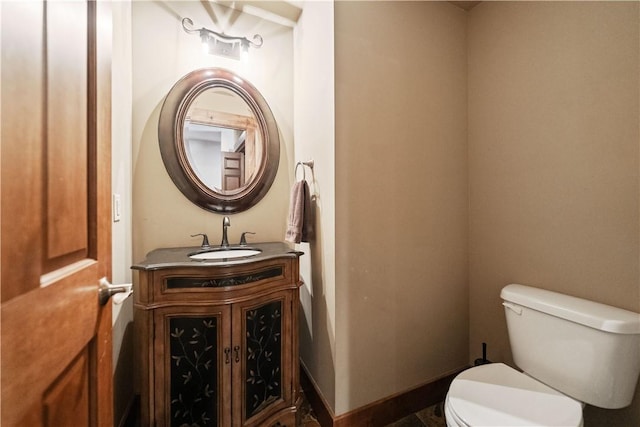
<point x="497" y="395"/>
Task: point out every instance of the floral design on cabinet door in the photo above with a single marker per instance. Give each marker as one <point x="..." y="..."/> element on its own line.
<point x="193" y="371"/>
<point x="264" y="350"/>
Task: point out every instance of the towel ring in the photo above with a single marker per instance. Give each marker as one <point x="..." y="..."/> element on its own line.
<point x="303" y="172"/>
<point x="303" y="164"/>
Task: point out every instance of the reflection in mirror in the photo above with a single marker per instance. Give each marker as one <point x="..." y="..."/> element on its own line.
<point x="219" y="140"/>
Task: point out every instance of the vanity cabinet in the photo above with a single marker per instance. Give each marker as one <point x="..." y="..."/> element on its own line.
<point x="218" y="341"/>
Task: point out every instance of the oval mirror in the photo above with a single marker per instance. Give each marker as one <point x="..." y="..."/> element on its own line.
<point x="219" y="140"/>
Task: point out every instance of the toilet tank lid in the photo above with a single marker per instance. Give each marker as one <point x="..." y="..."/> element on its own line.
<point x="589" y="313"/>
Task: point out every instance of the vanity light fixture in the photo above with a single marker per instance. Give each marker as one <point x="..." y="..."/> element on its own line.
<point x="221" y="44"/>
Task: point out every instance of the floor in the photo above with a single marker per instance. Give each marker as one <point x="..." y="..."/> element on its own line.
<point x="307" y="417"/>
<point x="433" y="416"/>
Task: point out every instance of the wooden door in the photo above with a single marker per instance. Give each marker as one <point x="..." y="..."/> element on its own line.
<point x="232" y="170"/>
<point x="55" y="213"/>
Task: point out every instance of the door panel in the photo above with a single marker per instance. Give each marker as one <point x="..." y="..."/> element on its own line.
<point x="39" y="340"/>
<point x="67" y="400"/>
<point x="55" y="212"/>
<point x="66" y="171"/>
<point x="22" y="98"/>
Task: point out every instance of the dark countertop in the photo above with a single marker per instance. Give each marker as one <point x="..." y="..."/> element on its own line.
<point x="179" y="257"/>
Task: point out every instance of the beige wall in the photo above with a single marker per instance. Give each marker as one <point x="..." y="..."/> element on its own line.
<point x="162" y="54"/>
<point x="401" y="197"/>
<point x="315" y="139"/>
<point x="553" y="160"/>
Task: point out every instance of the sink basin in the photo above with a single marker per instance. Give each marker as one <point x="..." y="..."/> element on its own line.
<point x="229" y="253"/>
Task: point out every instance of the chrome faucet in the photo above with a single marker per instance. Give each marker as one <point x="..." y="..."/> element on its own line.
<point x="225" y="223"/>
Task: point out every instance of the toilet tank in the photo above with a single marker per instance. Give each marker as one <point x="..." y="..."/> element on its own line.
<point x="586" y="350"/>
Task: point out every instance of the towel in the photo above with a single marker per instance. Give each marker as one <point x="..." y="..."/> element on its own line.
<point x="122" y="296"/>
<point x="299" y="227"/>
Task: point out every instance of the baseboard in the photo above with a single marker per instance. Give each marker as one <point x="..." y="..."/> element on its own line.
<point x="381" y="412"/>
<point x="321" y="409"/>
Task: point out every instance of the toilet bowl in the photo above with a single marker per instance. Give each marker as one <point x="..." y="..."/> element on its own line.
<point x="497" y="395"/>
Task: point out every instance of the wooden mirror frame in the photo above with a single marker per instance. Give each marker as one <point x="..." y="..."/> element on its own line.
<point x="170" y="135"/>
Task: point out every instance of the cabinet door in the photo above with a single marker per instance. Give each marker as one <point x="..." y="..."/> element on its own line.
<point x="262" y="372"/>
<point x="193" y="366"/>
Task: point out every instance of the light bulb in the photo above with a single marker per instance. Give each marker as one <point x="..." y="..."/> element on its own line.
<point x="204" y="38"/>
<point x="244" y="52"/>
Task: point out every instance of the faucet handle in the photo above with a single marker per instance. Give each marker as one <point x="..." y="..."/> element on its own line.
<point x="205" y="239"/>
<point x="243" y="239"/>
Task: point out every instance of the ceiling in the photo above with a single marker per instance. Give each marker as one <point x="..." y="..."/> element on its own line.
<point x="287" y="12"/>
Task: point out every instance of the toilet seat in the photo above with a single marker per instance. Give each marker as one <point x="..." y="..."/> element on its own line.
<point x="497" y="395"/>
<point x="451" y="417"/>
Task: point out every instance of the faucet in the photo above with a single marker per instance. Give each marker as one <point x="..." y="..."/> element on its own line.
<point x="205" y="240"/>
<point x="225" y="223"/>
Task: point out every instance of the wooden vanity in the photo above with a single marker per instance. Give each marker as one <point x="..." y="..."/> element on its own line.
<point x="217" y="341"/>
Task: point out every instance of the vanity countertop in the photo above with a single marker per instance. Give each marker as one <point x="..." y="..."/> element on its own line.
<point x="179" y="257"/>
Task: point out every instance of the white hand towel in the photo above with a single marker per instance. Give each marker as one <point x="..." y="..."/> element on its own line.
<point x="119" y="298"/>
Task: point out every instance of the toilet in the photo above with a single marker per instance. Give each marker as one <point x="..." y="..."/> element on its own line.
<point x="571" y="352"/>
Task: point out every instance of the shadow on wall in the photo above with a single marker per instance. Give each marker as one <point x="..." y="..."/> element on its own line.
<point x="316" y="338"/>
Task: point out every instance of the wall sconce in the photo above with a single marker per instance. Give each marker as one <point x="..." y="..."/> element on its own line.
<point x="221" y="44"/>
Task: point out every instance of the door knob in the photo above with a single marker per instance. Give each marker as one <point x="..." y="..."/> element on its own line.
<point x="106" y="290"/>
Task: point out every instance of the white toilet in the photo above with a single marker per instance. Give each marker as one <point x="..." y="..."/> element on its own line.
<point x="572" y="352"/>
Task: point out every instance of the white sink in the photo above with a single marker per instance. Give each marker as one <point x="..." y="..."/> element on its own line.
<point x="226" y="254"/>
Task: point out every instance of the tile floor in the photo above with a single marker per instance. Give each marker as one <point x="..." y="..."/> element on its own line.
<point x="433" y="416"/>
<point x="307" y="417"/>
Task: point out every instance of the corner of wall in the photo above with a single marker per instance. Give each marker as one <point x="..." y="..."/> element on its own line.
<point x="314" y="139"/>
